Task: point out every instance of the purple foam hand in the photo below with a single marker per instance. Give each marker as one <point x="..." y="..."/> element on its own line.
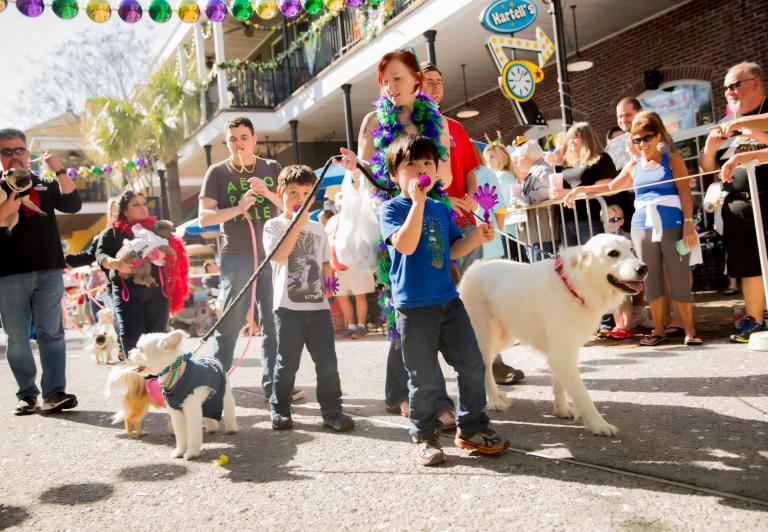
<point x="487" y="199"/>
<point x="331" y="285"/>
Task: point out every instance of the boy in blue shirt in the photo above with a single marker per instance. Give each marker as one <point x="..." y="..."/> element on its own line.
<point x="302" y="312"/>
<point x="422" y="238"/>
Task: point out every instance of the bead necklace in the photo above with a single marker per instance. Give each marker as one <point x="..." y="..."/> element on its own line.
<point x="174" y="372"/>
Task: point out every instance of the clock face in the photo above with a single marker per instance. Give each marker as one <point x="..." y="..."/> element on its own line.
<point x="517" y="80"/>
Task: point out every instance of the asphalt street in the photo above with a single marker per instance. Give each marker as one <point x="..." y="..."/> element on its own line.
<point x="692" y="453"/>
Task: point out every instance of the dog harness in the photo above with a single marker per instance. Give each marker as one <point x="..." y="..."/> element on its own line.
<point x="564" y="278"/>
<point x="207" y="372"/>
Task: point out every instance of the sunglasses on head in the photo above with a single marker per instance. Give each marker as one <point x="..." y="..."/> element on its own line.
<point x="736" y="84"/>
<point x="615" y="219"/>
<point x="646" y="138"/>
<point x="7" y="152"/>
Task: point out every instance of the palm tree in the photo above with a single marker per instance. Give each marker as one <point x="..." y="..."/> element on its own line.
<point x="172" y="104"/>
<point x="154" y="123"/>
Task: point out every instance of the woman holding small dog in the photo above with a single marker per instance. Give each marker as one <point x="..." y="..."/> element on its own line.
<point x="663" y="233"/>
<point x="139" y="308"/>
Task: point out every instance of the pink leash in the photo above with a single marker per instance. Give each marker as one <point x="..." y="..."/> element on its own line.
<point x="253" y="292"/>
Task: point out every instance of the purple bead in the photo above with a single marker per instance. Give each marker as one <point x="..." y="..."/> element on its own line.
<point x="71" y="173"/>
<point x="289" y="8"/>
<point x="141" y="162"/>
<point x="216" y="10"/>
<point x="424" y="181"/>
<point x="107" y="169"/>
<point x="355" y="3"/>
<point x="30" y="8"/>
<point x="129" y="11"/>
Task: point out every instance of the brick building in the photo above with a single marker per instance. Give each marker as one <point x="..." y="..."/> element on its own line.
<point x="697" y="42"/>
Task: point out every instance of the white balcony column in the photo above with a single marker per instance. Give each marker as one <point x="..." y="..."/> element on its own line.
<point x="201" y="71"/>
<point x="218" y="47"/>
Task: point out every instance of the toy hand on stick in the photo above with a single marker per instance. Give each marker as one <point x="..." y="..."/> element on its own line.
<point x="331" y="285"/>
<point x="487" y="199"/>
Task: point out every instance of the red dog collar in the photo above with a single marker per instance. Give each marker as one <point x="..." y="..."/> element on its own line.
<point x="559" y="271"/>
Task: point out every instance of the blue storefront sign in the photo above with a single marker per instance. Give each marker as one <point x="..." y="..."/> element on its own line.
<point x="509" y="16"/>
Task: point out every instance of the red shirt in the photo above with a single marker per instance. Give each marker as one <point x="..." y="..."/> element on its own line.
<point x="463" y="160"/>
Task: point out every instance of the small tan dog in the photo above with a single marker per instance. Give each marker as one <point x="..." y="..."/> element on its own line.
<point x="17" y="180"/>
<point x="104" y="338"/>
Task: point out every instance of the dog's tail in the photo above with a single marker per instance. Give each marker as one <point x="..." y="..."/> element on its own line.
<point x="121" y="383"/>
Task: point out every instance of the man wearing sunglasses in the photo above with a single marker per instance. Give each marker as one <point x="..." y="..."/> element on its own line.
<point x="744" y="90"/>
<point x="31" y="283"/>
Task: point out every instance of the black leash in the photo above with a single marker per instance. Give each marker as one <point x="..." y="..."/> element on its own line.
<point x="257" y="273"/>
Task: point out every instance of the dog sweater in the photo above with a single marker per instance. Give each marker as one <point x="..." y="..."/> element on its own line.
<point x="201" y="372"/>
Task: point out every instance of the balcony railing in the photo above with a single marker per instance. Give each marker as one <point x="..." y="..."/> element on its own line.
<point x="268" y="89"/>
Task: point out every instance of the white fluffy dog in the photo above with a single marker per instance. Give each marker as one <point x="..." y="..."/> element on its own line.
<point x="193" y="388"/>
<point x="555" y="306"/>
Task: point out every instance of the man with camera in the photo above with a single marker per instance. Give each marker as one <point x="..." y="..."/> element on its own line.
<point x="31" y="281"/>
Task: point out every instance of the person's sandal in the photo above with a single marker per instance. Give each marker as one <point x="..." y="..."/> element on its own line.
<point x="693" y="340"/>
<point x="452" y="424"/>
<point x="620" y="334"/>
<point x="653" y="340"/>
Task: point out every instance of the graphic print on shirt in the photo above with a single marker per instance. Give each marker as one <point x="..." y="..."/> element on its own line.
<point x="238" y="187"/>
<point x="304" y="272"/>
<point x="432" y="230"/>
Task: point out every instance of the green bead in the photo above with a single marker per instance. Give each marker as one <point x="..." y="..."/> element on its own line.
<point x="65" y="9"/>
<point x="313" y="7"/>
<point x="242" y="10"/>
<point x="96" y="170"/>
<point x="374" y="2"/>
<point x="160" y="11"/>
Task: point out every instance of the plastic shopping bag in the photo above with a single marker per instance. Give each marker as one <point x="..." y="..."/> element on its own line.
<point x="358" y="233"/>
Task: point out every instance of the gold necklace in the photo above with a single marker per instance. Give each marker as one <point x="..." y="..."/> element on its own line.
<point x="243" y="168"/>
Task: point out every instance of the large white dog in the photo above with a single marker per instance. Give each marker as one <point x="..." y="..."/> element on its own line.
<point x="193" y="388"/>
<point x="555" y="306"/>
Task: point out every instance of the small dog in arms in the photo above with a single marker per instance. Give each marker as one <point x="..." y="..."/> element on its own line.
<point x="554" y="306"/>
<point x="194" y="389"/>
<point x="17" y="180"/>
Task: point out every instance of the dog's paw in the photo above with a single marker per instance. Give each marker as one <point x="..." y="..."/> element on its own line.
<point x="211" y="426"/>
<point x="601" y="427"/>
<point x="498" y="404"/>
<point x="565" y="411"/>
<point x="234" y="429"/>
<point x="189" y="455"/>
<point x="177" y="453"/>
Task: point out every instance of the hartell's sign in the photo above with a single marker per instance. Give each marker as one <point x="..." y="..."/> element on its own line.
<point x="509" y="16"/>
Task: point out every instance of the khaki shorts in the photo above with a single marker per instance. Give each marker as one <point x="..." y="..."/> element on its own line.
<point x="355" y="282"/>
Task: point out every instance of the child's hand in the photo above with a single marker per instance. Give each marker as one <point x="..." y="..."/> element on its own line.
<point x="416" y="192"/>
<point x="303" y="219"/>
<point x="485" y="232"/>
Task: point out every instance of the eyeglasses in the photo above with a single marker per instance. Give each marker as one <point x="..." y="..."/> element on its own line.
<point x="615" y="219"/>
<point x="639" y="140"/>
<point x="7" y="152"/>
<point x="736" y="84"/>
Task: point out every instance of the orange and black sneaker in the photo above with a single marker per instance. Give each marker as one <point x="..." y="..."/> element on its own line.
<point x="485" y="442"/>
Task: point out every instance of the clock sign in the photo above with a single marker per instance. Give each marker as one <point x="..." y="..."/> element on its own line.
<point x="519" y="78"/>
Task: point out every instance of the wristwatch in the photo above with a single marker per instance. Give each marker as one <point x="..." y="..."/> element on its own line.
<point x="60" y="171"/>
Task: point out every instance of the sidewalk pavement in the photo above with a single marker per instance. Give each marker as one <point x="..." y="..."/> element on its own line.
<point x="692" y="453"/>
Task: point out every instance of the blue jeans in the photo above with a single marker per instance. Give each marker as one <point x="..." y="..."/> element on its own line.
<point x="295" y="329"/>
<point x="34" y="296"/>
<point x="396" y="382"/>
<point x="446" y="328"/>
<point x="235" y="272"/>
<point x="146" y="311"/>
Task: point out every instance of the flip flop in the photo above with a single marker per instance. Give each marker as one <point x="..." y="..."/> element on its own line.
<point x="693" y="340"/>
<point x="674" y="332"/>
<point x="653" y="340"/>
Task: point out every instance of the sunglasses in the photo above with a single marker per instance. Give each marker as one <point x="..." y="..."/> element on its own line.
<point x="615" y="219"/>
<point x="7" y="152"/>
<point x="646" y="139"/>
<point x="736" y="84"/>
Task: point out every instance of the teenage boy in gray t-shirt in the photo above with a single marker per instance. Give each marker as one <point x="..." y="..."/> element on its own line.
<point x="242" y="183"/>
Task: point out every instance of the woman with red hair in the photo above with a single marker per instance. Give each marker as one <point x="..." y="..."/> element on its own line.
<point x="402" y="109"/>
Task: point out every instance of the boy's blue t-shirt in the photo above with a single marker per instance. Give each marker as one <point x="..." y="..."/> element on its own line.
<point x="423" y="278"/>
